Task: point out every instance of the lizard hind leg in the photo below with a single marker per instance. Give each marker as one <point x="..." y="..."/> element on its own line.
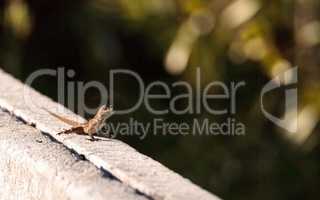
<point x="71" y="130"/>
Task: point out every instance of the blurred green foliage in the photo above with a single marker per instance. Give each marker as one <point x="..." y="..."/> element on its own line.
<point x="239" y="40"/>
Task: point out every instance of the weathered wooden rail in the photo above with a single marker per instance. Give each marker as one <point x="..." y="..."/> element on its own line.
<point x="37" y="167"/>
<point x="32" y="166"/>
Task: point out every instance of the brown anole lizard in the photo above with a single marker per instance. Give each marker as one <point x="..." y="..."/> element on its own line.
<point x="90" y="127"/>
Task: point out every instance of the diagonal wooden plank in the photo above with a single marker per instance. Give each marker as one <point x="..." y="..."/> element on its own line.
<point x="124" y="162"/>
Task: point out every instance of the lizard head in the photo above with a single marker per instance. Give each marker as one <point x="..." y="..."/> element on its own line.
<point x="100" y="118"/>
<point x="104" y="112"/>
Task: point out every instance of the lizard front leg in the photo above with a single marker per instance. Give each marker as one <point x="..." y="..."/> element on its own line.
<point x="92" y="138"/>
<point x="91" y="134"/>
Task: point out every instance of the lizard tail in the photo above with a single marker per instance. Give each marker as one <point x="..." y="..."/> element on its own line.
<point x="66" y="120"/>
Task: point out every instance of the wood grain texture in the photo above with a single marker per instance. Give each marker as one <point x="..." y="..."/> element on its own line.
<point x="124" y="162"/>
